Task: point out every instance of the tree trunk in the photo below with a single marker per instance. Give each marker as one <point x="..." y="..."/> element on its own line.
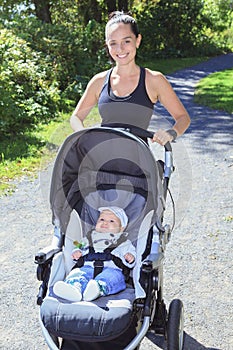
<point x="42" y="8"/>
<point x="111" y="5"/>
<point x="118" y="5"/>
<point x="123" y="5"/>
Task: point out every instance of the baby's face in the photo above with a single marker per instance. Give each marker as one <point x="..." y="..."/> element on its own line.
<point x="108" y="222"/>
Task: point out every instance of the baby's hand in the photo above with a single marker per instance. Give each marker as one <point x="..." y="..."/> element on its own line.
<point x="129" y="258"/>
<point x="76" y="255"/>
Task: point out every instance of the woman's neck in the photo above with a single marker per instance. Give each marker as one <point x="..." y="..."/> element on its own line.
<point x="126" y="70"/>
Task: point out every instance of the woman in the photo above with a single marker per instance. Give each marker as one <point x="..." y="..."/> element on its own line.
<point x="126" y="94"/>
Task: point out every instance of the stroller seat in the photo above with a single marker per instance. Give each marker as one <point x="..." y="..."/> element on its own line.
<point x="106" y="317"/>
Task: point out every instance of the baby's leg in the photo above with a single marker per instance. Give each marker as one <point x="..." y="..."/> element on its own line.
<point x="111" y="281"/>
<point x="80" y="277"/>
<point x="74" y="285"/>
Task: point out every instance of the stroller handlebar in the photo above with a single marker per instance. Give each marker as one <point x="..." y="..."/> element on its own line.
<point x="149" y="134"/>
<point x="135" y="130"/>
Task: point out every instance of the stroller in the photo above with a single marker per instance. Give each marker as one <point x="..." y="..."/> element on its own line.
<point x="109" y="166"/>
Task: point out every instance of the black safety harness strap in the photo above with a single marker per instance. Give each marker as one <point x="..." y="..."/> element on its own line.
<point x="100" y="257"/>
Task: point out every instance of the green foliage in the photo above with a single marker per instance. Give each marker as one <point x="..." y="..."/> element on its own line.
<point x="73" y="54"/>
<point x="174" y="28"/>
<point x="220" y="25"/>
<point x="27" y="96"/>
<point x="219" y="13"/>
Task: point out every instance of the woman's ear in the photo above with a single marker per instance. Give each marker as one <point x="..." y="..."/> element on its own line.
<point x="138" y="41"/>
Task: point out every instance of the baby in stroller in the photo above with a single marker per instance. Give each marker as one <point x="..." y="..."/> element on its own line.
<point x="103" y="259"/>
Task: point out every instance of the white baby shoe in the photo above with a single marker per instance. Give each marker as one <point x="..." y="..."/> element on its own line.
<point x="67" y="291"/>
<point x="92" y="291"/>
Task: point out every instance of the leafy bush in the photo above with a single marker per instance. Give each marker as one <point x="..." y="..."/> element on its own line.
<point x="72" y="52"/>
<point x="28" y="97"/>
<point x="179" y="28"/>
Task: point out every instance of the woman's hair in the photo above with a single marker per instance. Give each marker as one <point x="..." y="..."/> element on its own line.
<point x="120" y="17"/>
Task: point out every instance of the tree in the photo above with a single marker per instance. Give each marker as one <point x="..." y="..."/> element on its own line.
<point x="29" y="95"/>
<point x="47" y="10"/>
<point x="89" y="10"/>
<point x="42" y="9"/>
<point x="171" y="27"/>
<point x="120" y="5"/>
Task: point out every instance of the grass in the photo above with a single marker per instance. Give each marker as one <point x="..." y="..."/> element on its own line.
<point x="168" y="66"/>
<point x="29" y="153"/>
<point x="216" y="91"/>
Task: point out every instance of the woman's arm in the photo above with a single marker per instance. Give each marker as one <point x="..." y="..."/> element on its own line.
<point x="88" y="100"/>
<point x="159" y="88"/>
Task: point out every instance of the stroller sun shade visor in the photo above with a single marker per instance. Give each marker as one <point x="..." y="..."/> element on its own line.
<point x="101" y="159"/>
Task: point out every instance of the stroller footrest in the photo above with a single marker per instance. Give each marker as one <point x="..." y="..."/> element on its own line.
<point x="100" y="320"/>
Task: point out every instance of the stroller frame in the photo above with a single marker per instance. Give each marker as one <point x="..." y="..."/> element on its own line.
<point x="151" y="311"/>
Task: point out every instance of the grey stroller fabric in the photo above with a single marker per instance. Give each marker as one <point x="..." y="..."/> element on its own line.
<point x="103" y="158"/>
<point x="101" y="167"/>
<point x="104" y="319"/>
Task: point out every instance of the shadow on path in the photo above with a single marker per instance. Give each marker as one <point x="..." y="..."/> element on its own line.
<point x="189" y="343"/>
<point x="208" y="126"/>
<point x="210" y="133"/>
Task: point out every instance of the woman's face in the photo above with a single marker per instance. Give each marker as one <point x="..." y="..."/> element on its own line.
<point x="122" y="43"/>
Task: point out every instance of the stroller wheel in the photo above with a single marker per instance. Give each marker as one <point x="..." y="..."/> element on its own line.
<point x="175" y="325"/>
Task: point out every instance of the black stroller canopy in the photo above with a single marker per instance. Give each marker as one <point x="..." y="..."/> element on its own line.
<point x="101" y="159"/>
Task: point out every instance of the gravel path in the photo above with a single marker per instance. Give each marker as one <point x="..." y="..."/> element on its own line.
<point x="198" y="266"/>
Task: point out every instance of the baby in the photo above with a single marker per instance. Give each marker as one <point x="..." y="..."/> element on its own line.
<point x="107" y="243"/>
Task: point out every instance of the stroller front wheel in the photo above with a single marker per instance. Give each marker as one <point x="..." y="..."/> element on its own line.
<point x="175" y="325"/>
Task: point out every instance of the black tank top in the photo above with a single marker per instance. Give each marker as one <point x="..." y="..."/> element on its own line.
<point x="134" y="109"/>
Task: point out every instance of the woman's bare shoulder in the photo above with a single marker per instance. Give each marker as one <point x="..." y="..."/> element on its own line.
<point x="99" y="78"/>
<point x="152" y="74"/>
<point x="155" y="80"/>
<point x="96" y="83"/>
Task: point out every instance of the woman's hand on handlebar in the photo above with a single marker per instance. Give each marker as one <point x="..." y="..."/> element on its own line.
<point x="162" y="137"/>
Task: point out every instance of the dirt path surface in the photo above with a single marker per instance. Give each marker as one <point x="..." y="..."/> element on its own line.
<point x="198" y="259"/>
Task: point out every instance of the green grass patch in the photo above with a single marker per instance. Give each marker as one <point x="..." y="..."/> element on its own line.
<point x="26" y="154"/>
<point x="216" y="91"/>
<point x="168" y="65"/>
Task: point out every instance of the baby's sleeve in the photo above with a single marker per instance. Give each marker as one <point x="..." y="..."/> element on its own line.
<point x="124" y="248"/>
